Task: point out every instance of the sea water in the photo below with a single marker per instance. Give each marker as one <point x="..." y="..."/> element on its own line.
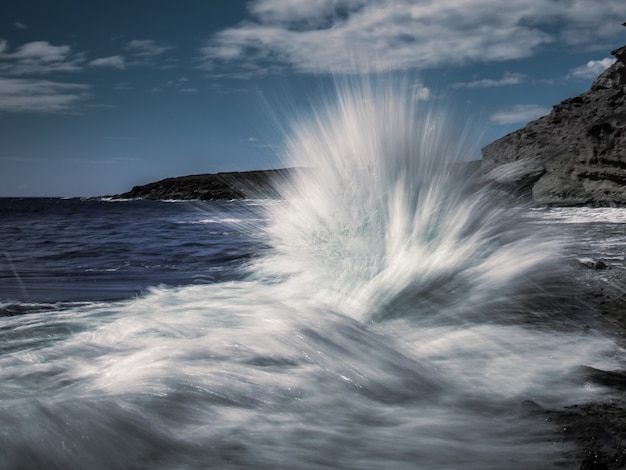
<point x="386" y="312"/>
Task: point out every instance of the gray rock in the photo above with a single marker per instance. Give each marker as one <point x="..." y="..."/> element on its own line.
<point x="592" y="264"/>
<point x="576" y="155"/>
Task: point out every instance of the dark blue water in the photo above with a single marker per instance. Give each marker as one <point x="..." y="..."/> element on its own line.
<point x="68" y="250"/>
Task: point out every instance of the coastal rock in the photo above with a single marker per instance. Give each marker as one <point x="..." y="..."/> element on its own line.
<point x="576" y="155"/>
<point x="592" y="264"/>
<point x="233" y="185"/>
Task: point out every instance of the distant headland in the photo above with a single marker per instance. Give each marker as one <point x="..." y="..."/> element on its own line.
<point x="210" y="187"/>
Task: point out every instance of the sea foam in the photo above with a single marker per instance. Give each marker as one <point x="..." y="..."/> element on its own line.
<point x="399" y="318"/>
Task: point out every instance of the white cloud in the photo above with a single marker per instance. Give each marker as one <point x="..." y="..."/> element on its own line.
<point x="319" y="36"/>
<point x="19" y="25"/>
<point x="591" y="69"/>
<point x="147" y="47"/>
<point x="25" y="95"/>
<point x="115" y="61"/>
<point x="38" y="58"/>
<point x="520" y="113"/>
<point x="42" y="50"/>
<point x="188" y="90"/>
<point x="421" y="93"/>
<point x="507" y="79"/>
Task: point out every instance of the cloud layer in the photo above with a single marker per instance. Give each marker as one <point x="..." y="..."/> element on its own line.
<point x="507" y="79"/>
<point x="42" y="96"/>
<point x="319" y="36"/>
<point x="115" y="61"/>
<point x="147" y="47"/>
<point x="38" y="58"/>
<point x="22" y="89"/>
<point x="592" y="69"/>
<point x="519" y="114"/>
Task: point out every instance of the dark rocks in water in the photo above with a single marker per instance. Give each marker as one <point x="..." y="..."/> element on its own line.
<point x="600" y="265"/>
<point x="576" y="155"/>
<point x="593" y="264"/>
<point x="593" y="461"/>
<point x="598" y="428"/>
<point x="615" y="379"/>
<point x="595" y="428"/>
<point x="233" y="185"/>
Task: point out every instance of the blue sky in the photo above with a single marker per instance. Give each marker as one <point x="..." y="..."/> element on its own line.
<point x="96" y="97"/>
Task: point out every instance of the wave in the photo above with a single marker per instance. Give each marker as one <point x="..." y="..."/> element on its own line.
<point x="585" y="215"/>
<point x="387" y="221"/>
<point x="235" y="374"/>
<point x="397" y="320"/>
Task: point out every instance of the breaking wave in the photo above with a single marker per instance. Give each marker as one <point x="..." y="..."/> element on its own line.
<point x="399" y="318"/>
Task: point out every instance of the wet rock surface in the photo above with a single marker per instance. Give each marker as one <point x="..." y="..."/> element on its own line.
<point x="597" y="429"/>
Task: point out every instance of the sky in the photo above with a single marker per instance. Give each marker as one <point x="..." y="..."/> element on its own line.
<point x="96" y="97"/>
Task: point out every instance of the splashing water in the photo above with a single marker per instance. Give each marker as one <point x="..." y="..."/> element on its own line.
<point x="384" y="221"/>
<point x="386" y="327"/>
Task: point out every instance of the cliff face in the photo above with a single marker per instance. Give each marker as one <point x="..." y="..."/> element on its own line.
<point x="576" y="155"/>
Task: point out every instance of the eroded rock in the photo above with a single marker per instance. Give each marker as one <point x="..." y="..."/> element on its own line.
<point x="580" y="146"/>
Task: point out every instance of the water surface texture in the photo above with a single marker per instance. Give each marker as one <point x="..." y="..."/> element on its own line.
<point x="384" y="314"/>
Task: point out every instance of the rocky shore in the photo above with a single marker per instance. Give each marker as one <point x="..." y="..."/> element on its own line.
<point x="594" y="301"/>
<point x="574" y="156"/>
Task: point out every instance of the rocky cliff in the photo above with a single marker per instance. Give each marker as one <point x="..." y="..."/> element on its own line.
<point x="234" y="185"/>
<point x="576" y="155"/>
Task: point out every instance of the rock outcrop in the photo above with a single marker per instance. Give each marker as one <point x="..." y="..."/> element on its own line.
<point x="233" y="185"/>
<point x="576" y="155"/>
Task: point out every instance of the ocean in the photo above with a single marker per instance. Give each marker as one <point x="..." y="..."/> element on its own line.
<point x="74" y="250"/>
<point x="384" y="313"/>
